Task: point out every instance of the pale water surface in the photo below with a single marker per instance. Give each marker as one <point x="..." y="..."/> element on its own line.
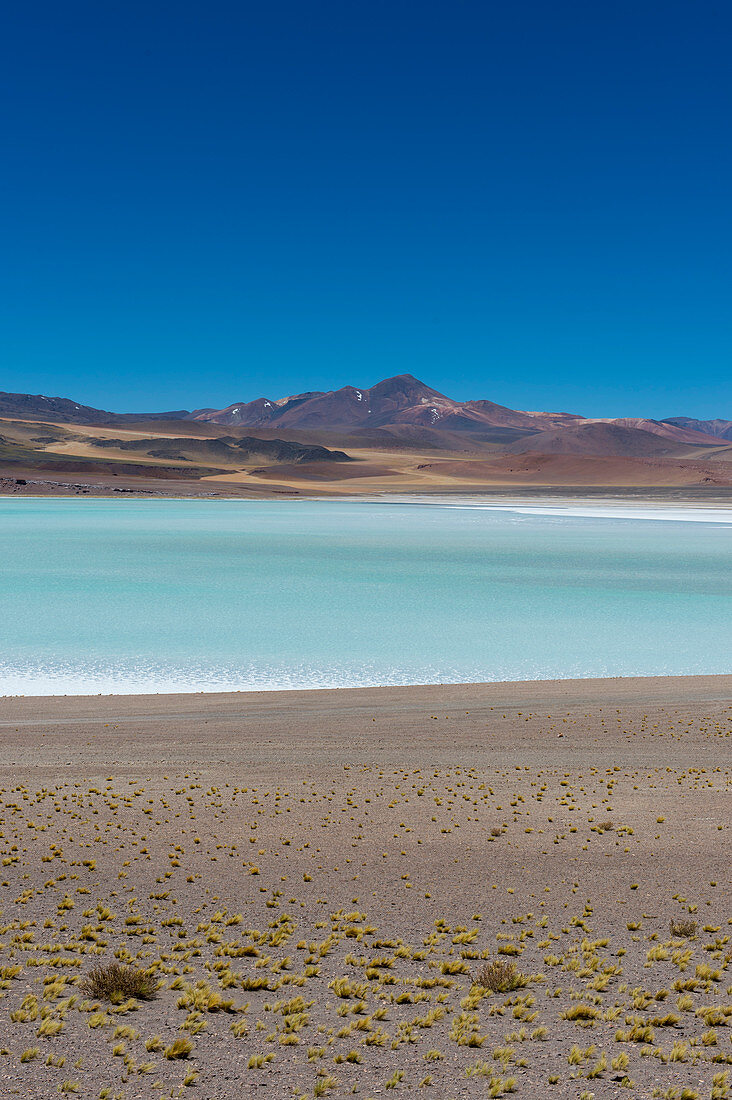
<point x="159" y="596"/>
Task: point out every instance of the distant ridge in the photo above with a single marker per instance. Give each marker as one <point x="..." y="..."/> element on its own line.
<point x="27" y="406"/>
<point x="720" y="429"/>
<point x="602" y="439"/>
<point x="62" y="410"/>
<point x="659" y="427"/>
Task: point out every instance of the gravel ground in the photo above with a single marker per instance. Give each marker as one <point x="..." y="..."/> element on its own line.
<point x="315" y="881"/>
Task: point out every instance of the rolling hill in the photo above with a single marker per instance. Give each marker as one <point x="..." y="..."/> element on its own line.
<point x="719" y="429"/>
<point x="601" y="438"/>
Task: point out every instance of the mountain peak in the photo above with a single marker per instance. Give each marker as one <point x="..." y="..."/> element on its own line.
<point x="405" y="381"/>
<point x="401" y="399"/>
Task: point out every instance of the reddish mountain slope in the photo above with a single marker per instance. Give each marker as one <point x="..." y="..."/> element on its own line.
<point x="347" y="407"/>
<point x="660" y="427"/>
<point x="399" y="400"/>
<point x="719" y="429"/>
<point x="608" y="439"/>
<point x="253" y="414"/>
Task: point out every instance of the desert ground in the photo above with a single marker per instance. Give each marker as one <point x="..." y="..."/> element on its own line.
<point x="195" y="459"/>
<point x="317" y="882"/>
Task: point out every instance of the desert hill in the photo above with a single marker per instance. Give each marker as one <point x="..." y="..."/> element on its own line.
<point x="604" y="438"/>
<point x="720" y="429"/>
<point x="226" y="449"/>
<point x="658" y="427"/>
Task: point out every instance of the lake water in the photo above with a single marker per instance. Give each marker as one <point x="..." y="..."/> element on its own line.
<point x="158" y="596"/>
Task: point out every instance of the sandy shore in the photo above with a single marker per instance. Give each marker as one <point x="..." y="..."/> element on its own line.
<point x="263" y="846"/>
<point x="28" y="483"/>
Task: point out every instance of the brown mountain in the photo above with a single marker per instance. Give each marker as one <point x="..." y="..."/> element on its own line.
<point x="719" y="429"/>
<point x="228" y="448"/>
<point x="600" y="438"/>
<point x="399" y="400"/>
<point x="659" y="427"/>
<point x="344" y="408"/>
<point x="399" y="435"/>
<point x="61" y="410"/>
<point x="253" y="414"/>
<point x="27" y="406"/>
<point x="399" y="414"/>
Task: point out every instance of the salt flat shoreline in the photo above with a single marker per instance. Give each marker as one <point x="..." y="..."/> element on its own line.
<point x="291" y="703"/>
<point x="121" y="488"/>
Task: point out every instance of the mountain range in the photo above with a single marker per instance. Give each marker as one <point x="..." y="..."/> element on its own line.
<point x="401" y="404"/>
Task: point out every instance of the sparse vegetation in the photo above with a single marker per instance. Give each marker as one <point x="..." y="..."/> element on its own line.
<point x="117" y="982"/>
<point x="680" y="927"/>
<point x="500" y="976"/>
<point x="181" y="1048"/>
<point x="315" y="966"/>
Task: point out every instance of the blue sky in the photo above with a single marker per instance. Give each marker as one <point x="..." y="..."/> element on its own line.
<point x="528" y="202"/>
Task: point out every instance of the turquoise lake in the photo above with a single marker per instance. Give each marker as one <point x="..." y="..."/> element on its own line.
<point x="101" y="596"/>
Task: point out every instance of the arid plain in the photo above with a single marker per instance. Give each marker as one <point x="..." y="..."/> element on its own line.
<point x="317" y="880"/>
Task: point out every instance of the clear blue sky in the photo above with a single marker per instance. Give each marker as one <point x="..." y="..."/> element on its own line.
<point x="525" y="201"/>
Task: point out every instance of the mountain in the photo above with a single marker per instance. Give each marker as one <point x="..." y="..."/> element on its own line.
<point x="347" y="407"/>
<point x="399" y="435"/>
<point x="252" y="414"/>
<point x="719" y="429"/>
<point x="398" y="412"/>
<point x="61" y="410"/>
<point x="131" y="418"/>
<point x="399" y="400"/>
<point x="26" y="406"/>
<point x="600" y="438"/>
<point x="246" y="449"/>
<point x="659" y="427"/>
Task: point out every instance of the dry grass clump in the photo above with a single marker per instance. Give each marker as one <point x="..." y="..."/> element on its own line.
<point x="181" y="1048"/>
<point x="115" y="982"/>
<point x="500" y="976"/>
<point x="681" y="927"/>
